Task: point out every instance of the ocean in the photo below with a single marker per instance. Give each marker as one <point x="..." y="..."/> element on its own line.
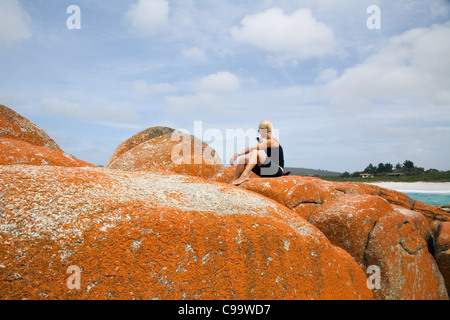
<point x="431" y="193"/>
<point x="431" y="198"/>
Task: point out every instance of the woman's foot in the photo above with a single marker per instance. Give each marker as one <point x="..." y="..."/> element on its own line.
<point x="240" y="181"/>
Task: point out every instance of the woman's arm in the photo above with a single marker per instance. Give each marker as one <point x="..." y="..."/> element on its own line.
<point x="262" y="146"/>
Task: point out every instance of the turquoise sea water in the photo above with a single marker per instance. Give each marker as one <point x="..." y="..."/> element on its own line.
<point x="433" y="199"/>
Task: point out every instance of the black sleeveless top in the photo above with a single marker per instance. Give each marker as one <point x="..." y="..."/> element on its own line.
<point x="278" y="151"/>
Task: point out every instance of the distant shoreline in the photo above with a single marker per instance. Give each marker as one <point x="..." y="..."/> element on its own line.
<point x="419" y="187"/>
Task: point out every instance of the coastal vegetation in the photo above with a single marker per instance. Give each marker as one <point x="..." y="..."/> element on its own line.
<point x="405" y="172"/>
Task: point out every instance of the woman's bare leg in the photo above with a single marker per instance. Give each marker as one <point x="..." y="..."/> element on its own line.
<point x="241" y="167"/>
<point x="256" y="158"/>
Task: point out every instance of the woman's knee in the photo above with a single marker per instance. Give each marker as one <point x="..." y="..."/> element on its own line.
<point x="255" y="154"/>
<point x="261" y="158"/>
<point x="244" y="160"/>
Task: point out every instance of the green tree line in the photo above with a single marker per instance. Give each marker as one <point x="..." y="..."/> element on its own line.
<point x="406" y="171"/>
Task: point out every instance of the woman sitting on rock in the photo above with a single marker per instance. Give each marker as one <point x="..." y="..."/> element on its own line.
<point x="266" y="165"/>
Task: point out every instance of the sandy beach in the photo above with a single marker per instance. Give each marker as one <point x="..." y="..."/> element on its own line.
<point x="418" y="187"/>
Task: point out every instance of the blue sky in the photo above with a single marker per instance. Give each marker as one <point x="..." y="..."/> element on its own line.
<point x="340" y="94"/>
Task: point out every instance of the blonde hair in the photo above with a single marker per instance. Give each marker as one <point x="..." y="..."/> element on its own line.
<point x="266" y="125"/>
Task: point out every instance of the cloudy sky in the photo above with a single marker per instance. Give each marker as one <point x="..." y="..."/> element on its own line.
<point x="342" y="95"/>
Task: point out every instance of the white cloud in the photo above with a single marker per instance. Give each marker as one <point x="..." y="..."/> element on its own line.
<point x="199" y="104"/>
<point x="194" y="53"/>
<point x="220" y="82"/>
<point x="148" y="15"/>
<point x="413" y="67"/>
<point x="103" y="114"/>
<point x="14" y="22"/>
<point x="206" y="98"/>
<point x="395" y="104"/>
<point x="327" y="75"/>
<point x="142" y="87"/>
<point x="439" y="8"/>
<point x="296" y="36"/>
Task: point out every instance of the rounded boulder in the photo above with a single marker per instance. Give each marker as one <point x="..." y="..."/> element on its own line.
<point x="90" y="233"/>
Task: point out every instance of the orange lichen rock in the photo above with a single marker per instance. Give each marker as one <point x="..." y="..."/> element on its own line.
<point x="137" y="139"/>
<point x="375" y="234"/>
<point x="420" y="222"/>
<point x="348" y="214"/>
<point x="14" y="126"/>
<point x="432" y="213"/>
<point x="304" y="195"/>
<point x="348" y="221"/>
<point x="19" y="152"/>
<point x="408" y="269"/>
<point x="394" y="197"/>
<point x="23" y="142"/>
<point x="442" y="251"/>
<point x="227" y="174"/>
<point x="175" y="152"/>
<point x="301" y="194"/>
<point x="158" y="235"/>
